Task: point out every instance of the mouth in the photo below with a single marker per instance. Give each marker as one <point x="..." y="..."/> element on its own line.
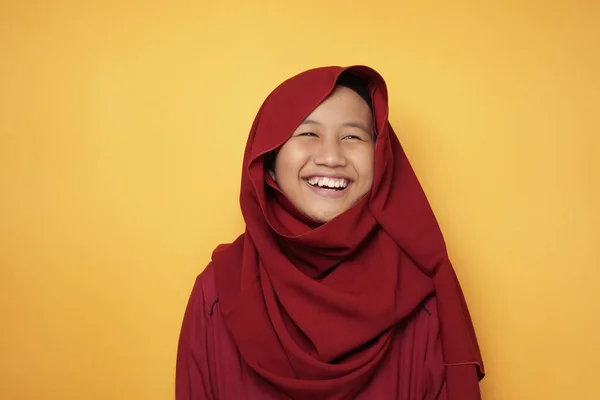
<point x="328" y="186"/>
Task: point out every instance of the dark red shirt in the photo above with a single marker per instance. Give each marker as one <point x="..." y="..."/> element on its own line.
<point x="209" y="366"/>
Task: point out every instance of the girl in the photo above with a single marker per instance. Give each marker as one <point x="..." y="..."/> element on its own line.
<point x="340" y="287"/>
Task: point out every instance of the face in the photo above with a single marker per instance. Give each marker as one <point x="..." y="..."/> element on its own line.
<point x="327" y="165"/>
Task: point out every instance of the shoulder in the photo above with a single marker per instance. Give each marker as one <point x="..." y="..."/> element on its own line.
<point x="225" y="258"/>
<point x="221" y="255"/>
<point x="203" y="294"/>
<point x="228" y="253"/>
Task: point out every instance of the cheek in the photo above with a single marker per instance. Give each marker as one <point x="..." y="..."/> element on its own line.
<point x="289" y="161"/>
<point x="364" y="163"/>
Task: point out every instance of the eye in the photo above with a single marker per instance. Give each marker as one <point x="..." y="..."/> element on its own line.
<point x="353" y="137"/>
<point x="307" y="134"/>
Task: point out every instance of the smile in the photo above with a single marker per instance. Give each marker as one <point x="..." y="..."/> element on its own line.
<point x="328" y="186"/>
<point x="328" y="183"/>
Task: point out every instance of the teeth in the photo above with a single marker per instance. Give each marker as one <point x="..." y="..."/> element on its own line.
<point x="328" y="182"/>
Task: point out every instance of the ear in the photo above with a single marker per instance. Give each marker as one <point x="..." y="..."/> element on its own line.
<point x="269" y="163"/>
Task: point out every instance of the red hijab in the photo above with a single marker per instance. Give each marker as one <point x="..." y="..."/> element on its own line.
<point x="312" y="307"/>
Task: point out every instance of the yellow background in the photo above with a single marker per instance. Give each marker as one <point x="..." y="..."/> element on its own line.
<point x="122" y="126"/>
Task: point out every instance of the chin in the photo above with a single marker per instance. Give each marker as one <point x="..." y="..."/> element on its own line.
<point x="324" y="217"/>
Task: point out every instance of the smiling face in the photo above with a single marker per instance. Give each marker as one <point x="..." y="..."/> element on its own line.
<point x="327" y="165"/>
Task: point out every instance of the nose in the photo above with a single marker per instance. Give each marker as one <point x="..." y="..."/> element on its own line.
<point x="330" y="154"/>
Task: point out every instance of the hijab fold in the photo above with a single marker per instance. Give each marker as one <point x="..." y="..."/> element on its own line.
<point x="313" y="307"/>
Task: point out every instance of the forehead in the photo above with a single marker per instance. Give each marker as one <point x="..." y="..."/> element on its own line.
<point x="342" y="103"/>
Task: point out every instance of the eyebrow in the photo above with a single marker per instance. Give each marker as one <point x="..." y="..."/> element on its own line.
<point x="349" y="124"/>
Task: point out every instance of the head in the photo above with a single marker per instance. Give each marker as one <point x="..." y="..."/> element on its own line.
<point x="327" y="164"/>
